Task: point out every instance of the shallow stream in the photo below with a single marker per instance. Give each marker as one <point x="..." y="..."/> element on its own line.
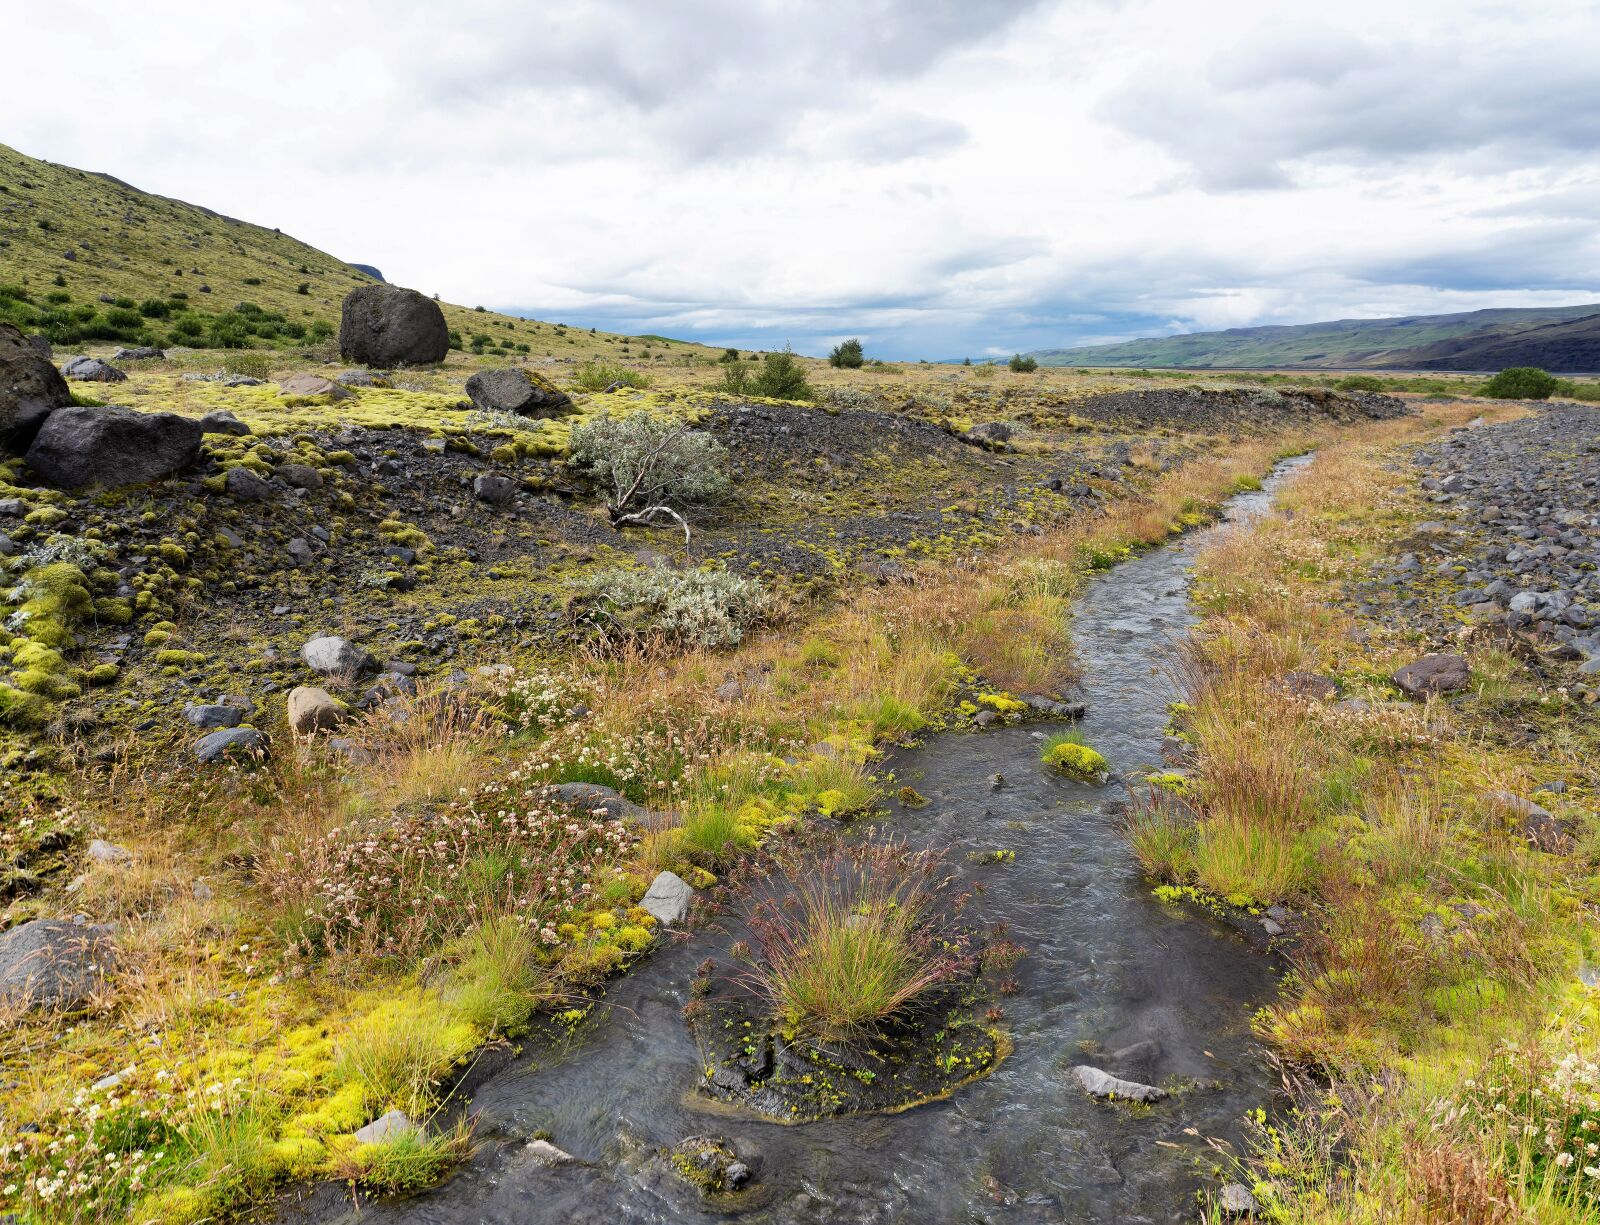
<point x="1106" y="966"/>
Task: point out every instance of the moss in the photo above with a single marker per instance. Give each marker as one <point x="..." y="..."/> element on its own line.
<point x="174" y="555"/>
<point x="179" y="659"/>
<point x="1075" y="761"/>
<point x="102" y="674"/>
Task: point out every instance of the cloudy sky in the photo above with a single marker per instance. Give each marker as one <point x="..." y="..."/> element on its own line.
<point x="939" y="177"/>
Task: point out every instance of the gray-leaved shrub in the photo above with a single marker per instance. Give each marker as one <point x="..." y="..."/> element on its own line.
<point x="706" y="608"/>
<point x="649" y="467"/>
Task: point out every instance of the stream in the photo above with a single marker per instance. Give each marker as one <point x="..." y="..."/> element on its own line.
<point x="1106" y="966"/>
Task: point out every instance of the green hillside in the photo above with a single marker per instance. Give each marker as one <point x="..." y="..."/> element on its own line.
<point x="87" y="257"/>
<point x="1341" y="344"/>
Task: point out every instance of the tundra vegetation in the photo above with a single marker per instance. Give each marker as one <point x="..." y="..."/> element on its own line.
<point x="718" y="585"/>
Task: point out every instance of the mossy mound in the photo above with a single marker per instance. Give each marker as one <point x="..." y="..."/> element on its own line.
<point x="1077" y="761"/>
<point x="789" y="1077"/>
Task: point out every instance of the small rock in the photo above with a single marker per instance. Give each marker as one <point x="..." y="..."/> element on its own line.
<point x="301" y="476"/>
<point x="1235" y="1200"/>
<point x="334" y="656"/>
<point x="243" y="485"/>
<point x="108" y="852"/>
<point x="1102" y="1084"/>
<point x="140" y="353"/>
<point x="232" y="741"/>
<point x="385" y="1127"/>
<point x="54" y="963"/>
<point x="355" y="754"/>
<point x="213" y="714"/>
<point x="222" y="422"/>
<point x="1433" y="674"/>
<point x="729" y="691"/>
<point x="668" y="898"/>
<point x="312" y="385"/>
<point x="495" y="490"/>
<point x="92" y="370"/>
<point x="546" y="1153"/>
<point x="313" y="710"/>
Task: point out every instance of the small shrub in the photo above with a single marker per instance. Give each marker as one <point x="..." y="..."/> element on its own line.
<point x="705" y="608"/>
<point x="781" y="377"/>
<point x="866" y="933"/>
<point x="600" y="376"/>
<point x="249" y="363"/>
<point x="1023" y="365"/>
<point x="648" y="466"/>
<point x="1360" y="382"/>
<point x="847" y="355"/>
<point x="1521" y="383"/>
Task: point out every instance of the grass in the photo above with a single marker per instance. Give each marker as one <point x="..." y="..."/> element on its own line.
<point x="1437" y="1044"/>
<point x="854" y="939"/>
<point x="397" y="1052"/>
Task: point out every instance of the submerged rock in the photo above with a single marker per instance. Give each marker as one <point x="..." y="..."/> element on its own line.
<point x="546" y="1153"/>
<point x="712" y="1164"/>
<point x="1102" y="1084"/>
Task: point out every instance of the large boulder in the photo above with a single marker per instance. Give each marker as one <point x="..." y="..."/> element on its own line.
<point x="53" y="963"/>
<point x="514" y="390"/>
<point x="101" y="448"/>
<point x="92" y="370"/>
<point x="384" y="325"/>
<point x="30" y="388"/>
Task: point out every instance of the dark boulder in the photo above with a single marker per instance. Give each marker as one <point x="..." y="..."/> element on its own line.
<point x="92" y="370"/>
<point x="42" y="344"/>
<point x="30" y="388"/>
<point x="83" y="448"/>
<point x="221" y="421"/>
<point x="513" y="390"/>
<point x="139" y="353"/>
<point x="53" y="963"/>
<point x="384" y="325"/>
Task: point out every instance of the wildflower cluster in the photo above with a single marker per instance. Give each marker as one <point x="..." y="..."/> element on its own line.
<point x="1545" y="1115"/>
<point x="536" y="703"/>
<point x="398" y="884"/>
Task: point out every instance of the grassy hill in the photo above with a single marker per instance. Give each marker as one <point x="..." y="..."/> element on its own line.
<point x="87" y="257"/>
<point x="1400" y="343"/>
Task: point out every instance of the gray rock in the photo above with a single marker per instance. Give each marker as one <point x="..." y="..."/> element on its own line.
<point x="546" y="1153"/>
<point x="384" y="325"/>
<point x="1537" y="824"/>
<point x="1102" y="1084"/>
<point x="1433" y="674"/>
<point x="311" y="385"/>
<point x="333" y="656"/>
<point x="30" y="389"/>
<point x="668" y="898"/>
<point x="519" y="391"/>
<point x="230" y="742"/>
<point x="243" y="485"/>
<point x="223" y="422"/>
<point x="311" y="710"/>
<point x="385" y="1127"/>
<point x="140" y="353"/>
<point x="92" y="370"/>
<point x="592" y="796"/>
<point x="301" y="476"/>
<point x="214" y="714"/>
<point x="103" y="448"/>
<point x="300" y="552"/>
<point x="1235" y="1200"/>
<point x="53" y="963"/>
<point x="355" y="754"/>
<point x="495" y="490"/>
<point x="989" y="434"/>
<point x="102" y="851"/>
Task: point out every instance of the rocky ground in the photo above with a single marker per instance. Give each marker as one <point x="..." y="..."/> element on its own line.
<point x="1516" y="543"/>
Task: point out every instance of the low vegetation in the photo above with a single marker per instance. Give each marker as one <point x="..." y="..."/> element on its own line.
<point x="1438" y="1042"/>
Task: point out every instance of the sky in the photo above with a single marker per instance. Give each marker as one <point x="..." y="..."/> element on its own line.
<point x="941" y="178"/>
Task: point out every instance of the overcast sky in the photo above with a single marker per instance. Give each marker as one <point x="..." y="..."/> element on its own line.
<point x="938" y="177"/>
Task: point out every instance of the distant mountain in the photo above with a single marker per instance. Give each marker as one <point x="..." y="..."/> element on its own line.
<point x="1559" y="338"/>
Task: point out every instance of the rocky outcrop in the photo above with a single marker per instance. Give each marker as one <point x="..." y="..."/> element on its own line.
<point x="518" y="391"/>
<point x="102" y="448"/>
<point x="384" y="325"/>
<point x="30" y="389"/>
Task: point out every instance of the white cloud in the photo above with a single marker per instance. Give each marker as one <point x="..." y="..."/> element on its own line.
<point x="941" y="177"/>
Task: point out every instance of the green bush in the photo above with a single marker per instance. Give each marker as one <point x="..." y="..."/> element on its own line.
<point x="1360" y="382"/>
<point x="1521" y="383"/>
<point x="781" y="377"/>
<point x="1023" y="365"/>
<point x="847" y="355"/>
<point x="599" y="375"/>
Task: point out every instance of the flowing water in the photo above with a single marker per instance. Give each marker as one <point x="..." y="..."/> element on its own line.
<point x="1107" y="965"/>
